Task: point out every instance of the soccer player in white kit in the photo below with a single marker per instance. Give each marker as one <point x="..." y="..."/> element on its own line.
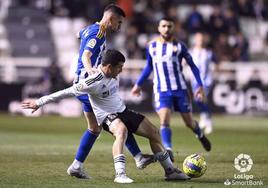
<point x="203" y="59"/>
<point x="112" y="114"/>
<point x="92" y="44"/>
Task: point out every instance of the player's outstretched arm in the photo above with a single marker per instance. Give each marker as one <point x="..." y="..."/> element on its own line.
<point x="30" y="104"/>
<point x="62" y="94"/>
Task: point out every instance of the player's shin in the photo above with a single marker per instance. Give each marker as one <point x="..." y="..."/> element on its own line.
<point x="132" y="145"/>
<point x="86" y="143"/>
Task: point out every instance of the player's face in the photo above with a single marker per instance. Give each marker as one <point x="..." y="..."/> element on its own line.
<point x="166" y="29"/>
<point x="198" y="39"/>
<point x="115" y="70"/>
<point x="116" y="22"/>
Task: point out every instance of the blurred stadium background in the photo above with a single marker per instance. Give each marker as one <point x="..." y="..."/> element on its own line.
<point x="38" y="49"/>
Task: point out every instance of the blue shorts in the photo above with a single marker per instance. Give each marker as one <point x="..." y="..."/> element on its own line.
<point x="179" y="102"/>
<point x="85" y="103"/>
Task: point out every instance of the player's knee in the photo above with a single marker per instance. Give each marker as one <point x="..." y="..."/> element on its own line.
<point x="121" y="132"/>
<point x="95" y="129"/>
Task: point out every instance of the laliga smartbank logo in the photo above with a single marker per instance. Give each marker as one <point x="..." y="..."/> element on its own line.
<point x="243" y="164"/>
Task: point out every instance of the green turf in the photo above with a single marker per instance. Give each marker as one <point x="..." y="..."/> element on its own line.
<point x="35" y="152"/>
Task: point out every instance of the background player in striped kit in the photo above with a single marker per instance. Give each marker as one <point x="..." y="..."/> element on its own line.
<point x="112" y="114"/>
<point x="203" y="59"/>
<point x="164" y="56"/>
<point x="92" y="44"/>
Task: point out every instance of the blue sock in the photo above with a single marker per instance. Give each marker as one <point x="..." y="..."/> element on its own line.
<point x="132" y="145"/>
<point x="86" y="143"/>
<point x="197" y="130"/>
<point x="166" y="134"/>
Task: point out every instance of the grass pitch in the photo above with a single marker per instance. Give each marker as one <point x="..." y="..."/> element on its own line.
<point x="35" y="152"/>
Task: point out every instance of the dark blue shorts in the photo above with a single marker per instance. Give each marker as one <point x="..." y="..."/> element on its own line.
<point x="179" y="102"/>
<point x="85" y="103"/>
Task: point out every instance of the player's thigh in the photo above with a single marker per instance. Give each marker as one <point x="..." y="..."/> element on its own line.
<point x="182" y="103"/>
<point x="92" y="122"/>
<point x="148" y="130"/>
<point x="115" y="125"/>
<point x="118" y="128"/>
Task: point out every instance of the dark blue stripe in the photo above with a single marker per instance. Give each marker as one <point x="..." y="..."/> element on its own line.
<point x="175" y="52"/>
<point x="158" y="78"/>
<point x="154" y="44"/>
<point x="164" y="49"/>
<point x="166" y="75"/>
<point x="194" y="167"/>
<point x="176" y="73"/>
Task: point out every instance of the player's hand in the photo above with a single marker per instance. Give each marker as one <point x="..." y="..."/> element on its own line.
<point x="29" y="104"/>
<point x="136" y="90"/>
<point x="200" y="94"/>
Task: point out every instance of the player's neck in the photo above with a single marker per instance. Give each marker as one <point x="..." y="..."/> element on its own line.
<point x="165" y="39"/>
<point x="104" y="70"/>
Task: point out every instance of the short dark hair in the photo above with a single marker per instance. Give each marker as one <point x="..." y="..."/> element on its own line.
<point x="166" y="18"/>
<point x="112" y="57"/>
<point x="115" y="9"/>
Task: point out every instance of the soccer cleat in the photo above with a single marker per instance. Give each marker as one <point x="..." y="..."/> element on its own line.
<point x="171" y="155"/>
<point x="145" y="160"/>
<point x="77" y="172"/>
<point x="205" y="142"/>
<point x="122" y="178"/>
<point x="176" y="174"/>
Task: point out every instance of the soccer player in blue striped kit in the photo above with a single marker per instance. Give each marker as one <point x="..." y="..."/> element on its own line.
<point x="204" y="59"/>
<point x="93" y="38"/>
<point x="164" y="57"/>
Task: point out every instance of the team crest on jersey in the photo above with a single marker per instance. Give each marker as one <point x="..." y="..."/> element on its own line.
<point x="175" y="48"/>
<point x="79" y="87"/>
<point x="92" y="43"/>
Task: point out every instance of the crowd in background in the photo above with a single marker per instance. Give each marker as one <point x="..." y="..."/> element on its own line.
<point x="222" y="29"/>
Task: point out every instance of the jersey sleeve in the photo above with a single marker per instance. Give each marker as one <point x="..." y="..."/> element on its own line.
<point x="59" y="95"/>
<point x="147" y="70"/>
<point x="186" y="55"/>
<point x="85" y="87"/>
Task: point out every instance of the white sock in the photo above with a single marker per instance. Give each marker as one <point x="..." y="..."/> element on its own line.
<point x="77" y="164"/>
<point x="138" y="157"/>
<point x="120" y="164"/>
<point x="164" y="159"/>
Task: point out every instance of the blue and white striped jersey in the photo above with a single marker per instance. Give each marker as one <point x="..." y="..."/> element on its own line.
<point x="203" y="59"/>
<point x="93" y="39"/>
<point x="164" y="59"/>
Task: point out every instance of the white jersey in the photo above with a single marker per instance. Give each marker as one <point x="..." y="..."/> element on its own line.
<point x="103" y="95"/>
<point x="203" y="59"/>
